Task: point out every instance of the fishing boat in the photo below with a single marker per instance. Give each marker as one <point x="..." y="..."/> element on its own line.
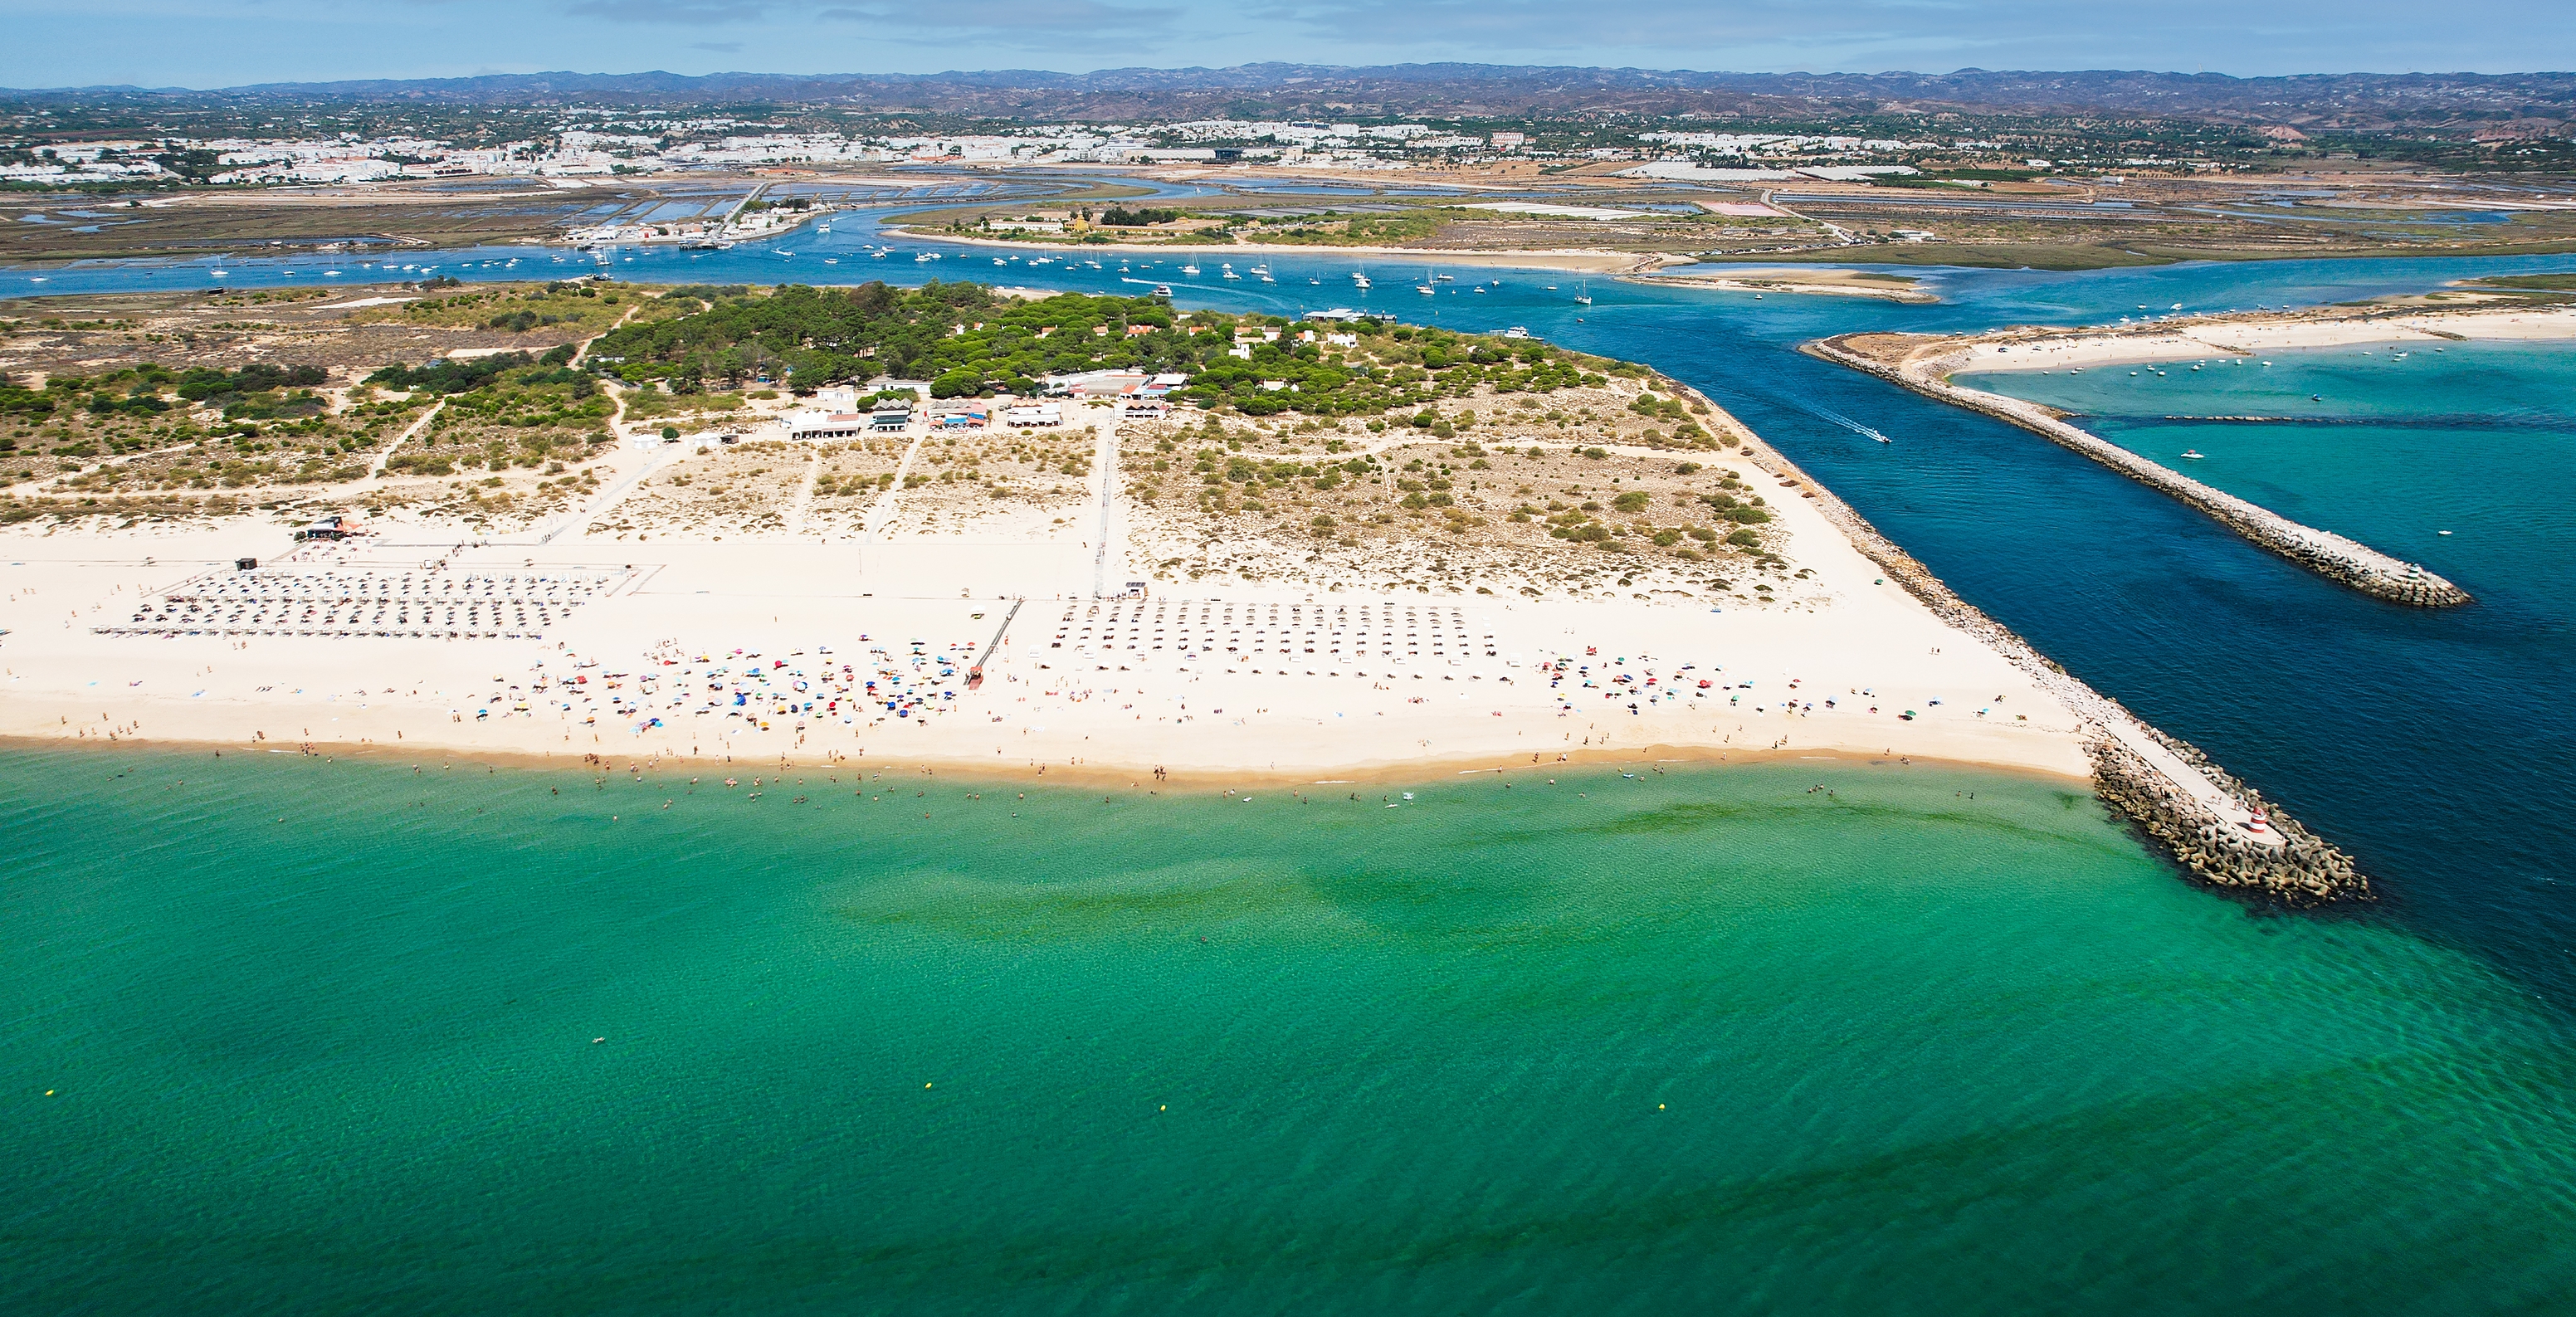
<point x="2192" y="453"/>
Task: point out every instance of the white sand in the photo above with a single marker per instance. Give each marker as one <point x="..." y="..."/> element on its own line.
<point x="1828" y="669"/>
<point x="2028" y="349"/>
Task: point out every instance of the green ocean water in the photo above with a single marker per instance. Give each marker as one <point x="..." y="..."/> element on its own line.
<point x="1704" y="1042"/>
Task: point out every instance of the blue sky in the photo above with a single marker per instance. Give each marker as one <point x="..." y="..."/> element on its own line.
<point x="213" y="43"/>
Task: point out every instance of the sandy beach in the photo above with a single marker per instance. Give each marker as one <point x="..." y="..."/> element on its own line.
<point x="655" y="630"/>
<point x="654" y="665"/>
<point x="1795" y="282"/>
<point x="2247" y="335"/>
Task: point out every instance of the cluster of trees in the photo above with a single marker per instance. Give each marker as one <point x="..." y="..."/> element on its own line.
<point x="966" y="341"/>
<point x="137" y="390"/>
<point x="444" y="376"/>
<point x="1122" y="217"/>
<point x="963" y="335"/>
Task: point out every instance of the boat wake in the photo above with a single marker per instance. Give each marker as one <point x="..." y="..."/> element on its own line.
<point x="1846" y="422"/>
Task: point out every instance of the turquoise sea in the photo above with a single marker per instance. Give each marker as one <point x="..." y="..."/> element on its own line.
<point x="449" y="1041"/>
<point x="2393" y="444"/>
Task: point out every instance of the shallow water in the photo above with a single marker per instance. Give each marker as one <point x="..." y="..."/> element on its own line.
<point x="320" y="1036"/>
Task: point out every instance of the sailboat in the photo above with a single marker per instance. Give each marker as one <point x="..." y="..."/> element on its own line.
<point x="1584" y="296"/>
<point x="1189" y="269"/>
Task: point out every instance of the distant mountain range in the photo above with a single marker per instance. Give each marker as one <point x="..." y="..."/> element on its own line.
<point x="2358" y="101"/>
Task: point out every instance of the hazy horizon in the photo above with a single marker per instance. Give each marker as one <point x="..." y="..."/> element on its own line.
<point x="215" y="44"/>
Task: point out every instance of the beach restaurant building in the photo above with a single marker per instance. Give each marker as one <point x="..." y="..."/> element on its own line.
<point x="829" y="425"/>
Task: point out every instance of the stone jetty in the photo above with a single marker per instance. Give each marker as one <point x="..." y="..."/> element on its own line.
<point x="2345" y="561"/>
<point x="2217" y="829"/>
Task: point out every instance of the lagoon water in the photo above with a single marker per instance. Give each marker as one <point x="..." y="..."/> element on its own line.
<point x="1914" y="1052"/>
<point x="1705" y="1042"/>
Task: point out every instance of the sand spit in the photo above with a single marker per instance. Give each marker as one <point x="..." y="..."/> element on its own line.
<point x="716" y="608"/>
<point x="1806" y="283"/>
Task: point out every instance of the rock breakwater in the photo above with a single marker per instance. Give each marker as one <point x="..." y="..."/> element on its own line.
<point x="2284" y="863"/>
<point x="2340" y="559"/>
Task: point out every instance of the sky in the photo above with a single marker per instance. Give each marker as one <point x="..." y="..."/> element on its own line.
<point x="223" y="43"/>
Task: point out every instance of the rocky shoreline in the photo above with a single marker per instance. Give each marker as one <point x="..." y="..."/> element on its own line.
<point x="2303" y="870"/>
<point x="2344" y="561"/>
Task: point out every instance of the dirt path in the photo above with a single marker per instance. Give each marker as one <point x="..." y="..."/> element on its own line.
<point x="889" y="505"/>
<point x="1112" y="550"/>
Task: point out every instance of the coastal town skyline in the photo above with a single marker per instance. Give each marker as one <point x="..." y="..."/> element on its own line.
<point x="234" y="43"/>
